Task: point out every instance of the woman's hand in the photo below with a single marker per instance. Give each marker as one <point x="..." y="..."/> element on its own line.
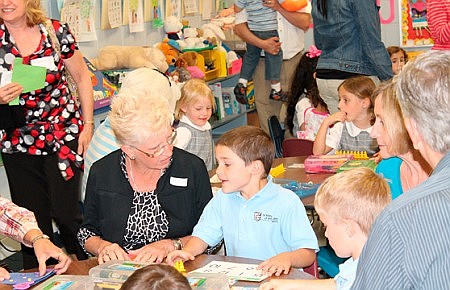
<point x="85" y="138"/>
<point x="45" y="249"/>
<point x="9" y="92"/>
<point x="109" y="251"/>
<point x="155" y="252"/>
<point x="276" y="265"/>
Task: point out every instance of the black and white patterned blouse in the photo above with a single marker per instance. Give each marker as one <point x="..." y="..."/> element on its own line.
<point x="146" y="223"/>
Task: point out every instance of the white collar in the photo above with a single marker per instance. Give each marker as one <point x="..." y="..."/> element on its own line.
<point x="354" y="131"/>
<point x="186" y="120"/>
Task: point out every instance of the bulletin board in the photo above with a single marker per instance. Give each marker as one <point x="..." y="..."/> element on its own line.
<point x="414" y="26"/>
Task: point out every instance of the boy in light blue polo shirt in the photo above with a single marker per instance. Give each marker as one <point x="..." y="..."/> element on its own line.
<point x="256" y="218"/>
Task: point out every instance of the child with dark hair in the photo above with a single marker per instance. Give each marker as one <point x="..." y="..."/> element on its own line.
<point x="156" y="277"/>
<point x="306" y="109"/>
<point x="398" y="57"/>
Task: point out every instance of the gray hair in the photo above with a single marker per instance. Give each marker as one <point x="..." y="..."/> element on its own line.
<point x="423" y="90"/>
<point x="135" y="118"/>
<point x="150" y="81"/>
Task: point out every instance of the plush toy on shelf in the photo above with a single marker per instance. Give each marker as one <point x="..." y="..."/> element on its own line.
<point x="173" y="26"/>
<point x="180" y="74"/>
<point x="225" y="19"/>
<point x="129" y="57"/>
<point x="171" y="54"/>
<point x="190" y="58"/>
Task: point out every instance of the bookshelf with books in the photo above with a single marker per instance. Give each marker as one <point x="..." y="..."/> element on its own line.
<point x="229" y="113"/>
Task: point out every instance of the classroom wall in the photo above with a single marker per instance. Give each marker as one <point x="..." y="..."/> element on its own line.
<point x="121" y="36"/>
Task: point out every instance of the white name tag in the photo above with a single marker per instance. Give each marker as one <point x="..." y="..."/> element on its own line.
<point x="47" y="61"/>
<point x="176" y="181"/>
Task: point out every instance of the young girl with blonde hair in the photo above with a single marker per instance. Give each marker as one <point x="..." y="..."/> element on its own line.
<point x="193" y="111"/>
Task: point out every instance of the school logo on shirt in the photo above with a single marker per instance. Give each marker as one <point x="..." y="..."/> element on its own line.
<point x="259" y="216"/>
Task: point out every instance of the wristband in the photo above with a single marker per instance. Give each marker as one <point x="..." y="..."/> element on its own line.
<point x="177" y="244"/>
<point x="88" y="122"/>
<point x="39" y="237"/>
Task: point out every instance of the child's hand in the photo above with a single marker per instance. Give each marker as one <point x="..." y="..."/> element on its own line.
<point x="3" y="274"/>
<point x="377" y="157"/>
<point x="277" y="265"/>
<point x="336" y="117"/>
<point x="174" y="256"/>
<point x="278" y="284"/>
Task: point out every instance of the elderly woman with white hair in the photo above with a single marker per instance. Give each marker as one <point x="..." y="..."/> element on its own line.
<point x="141" y="81"/>
<point x="142" y="200"/>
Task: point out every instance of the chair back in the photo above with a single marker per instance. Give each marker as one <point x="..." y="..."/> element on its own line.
<point x="277" y="135"/>
<point x="297" y="147"/>
<point x="313" y="269"/>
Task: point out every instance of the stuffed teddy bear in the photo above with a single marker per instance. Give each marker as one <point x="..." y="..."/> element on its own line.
<point x="130" y="57"/>
<point x="173" y="26"/>
<point x="180" y="74"/>
<point x="171" y="54"/>
<point x="190" y="58"/>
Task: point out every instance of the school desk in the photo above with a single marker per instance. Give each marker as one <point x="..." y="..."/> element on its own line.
<point x="82" y="268"/>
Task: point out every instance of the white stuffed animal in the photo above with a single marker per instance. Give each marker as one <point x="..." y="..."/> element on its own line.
<point x="211" y="30"/>
<point x="131" y="57"/>
<point x="173" y="26"/>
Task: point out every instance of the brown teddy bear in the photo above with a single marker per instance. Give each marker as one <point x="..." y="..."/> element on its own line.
<point x="190" y="58"/>
<point x="129" y="57"/>
<point x="180" y="74"/>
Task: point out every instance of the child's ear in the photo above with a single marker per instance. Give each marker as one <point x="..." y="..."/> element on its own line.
<point x="257" y="167"/>
<point x="366" y="103"/>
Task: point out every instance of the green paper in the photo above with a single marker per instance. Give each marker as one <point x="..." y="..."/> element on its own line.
<point x="14" y="102"/>
<point x="30" y="77"/>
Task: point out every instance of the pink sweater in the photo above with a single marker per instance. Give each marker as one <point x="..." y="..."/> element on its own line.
<point x="438" y="17"/>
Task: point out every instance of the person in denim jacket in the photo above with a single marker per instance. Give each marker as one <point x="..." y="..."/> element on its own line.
<point x="348" y="33"/>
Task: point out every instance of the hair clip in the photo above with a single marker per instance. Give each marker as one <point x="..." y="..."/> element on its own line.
<point x="313" y="51"/>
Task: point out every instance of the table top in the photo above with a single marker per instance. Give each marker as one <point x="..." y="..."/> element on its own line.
<point x="295" y="170"/>
<point x="82" y="268"/>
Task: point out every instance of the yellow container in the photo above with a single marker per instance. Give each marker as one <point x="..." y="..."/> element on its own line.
<point x="213" y="63"/>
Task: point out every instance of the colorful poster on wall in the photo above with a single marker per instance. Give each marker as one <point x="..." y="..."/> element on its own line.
<point x="135" y="16"/>
<point x="414" y="25"/>
<point x="80" y="15"/>
<point x="157" y="13"/>
<point x="173" y="8"/>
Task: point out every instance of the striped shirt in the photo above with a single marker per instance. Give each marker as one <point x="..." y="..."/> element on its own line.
<point x="103" y="142"/>
<point x="409" y="246"/>
<point x="15" y="221"/>
<point x="438" y="17"/>
<point x="260" y="17"/>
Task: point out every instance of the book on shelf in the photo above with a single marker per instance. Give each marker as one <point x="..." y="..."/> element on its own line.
<point x="216" y="89"/>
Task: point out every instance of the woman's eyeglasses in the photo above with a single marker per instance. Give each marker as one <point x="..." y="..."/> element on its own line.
<point x="161" y="148"/>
